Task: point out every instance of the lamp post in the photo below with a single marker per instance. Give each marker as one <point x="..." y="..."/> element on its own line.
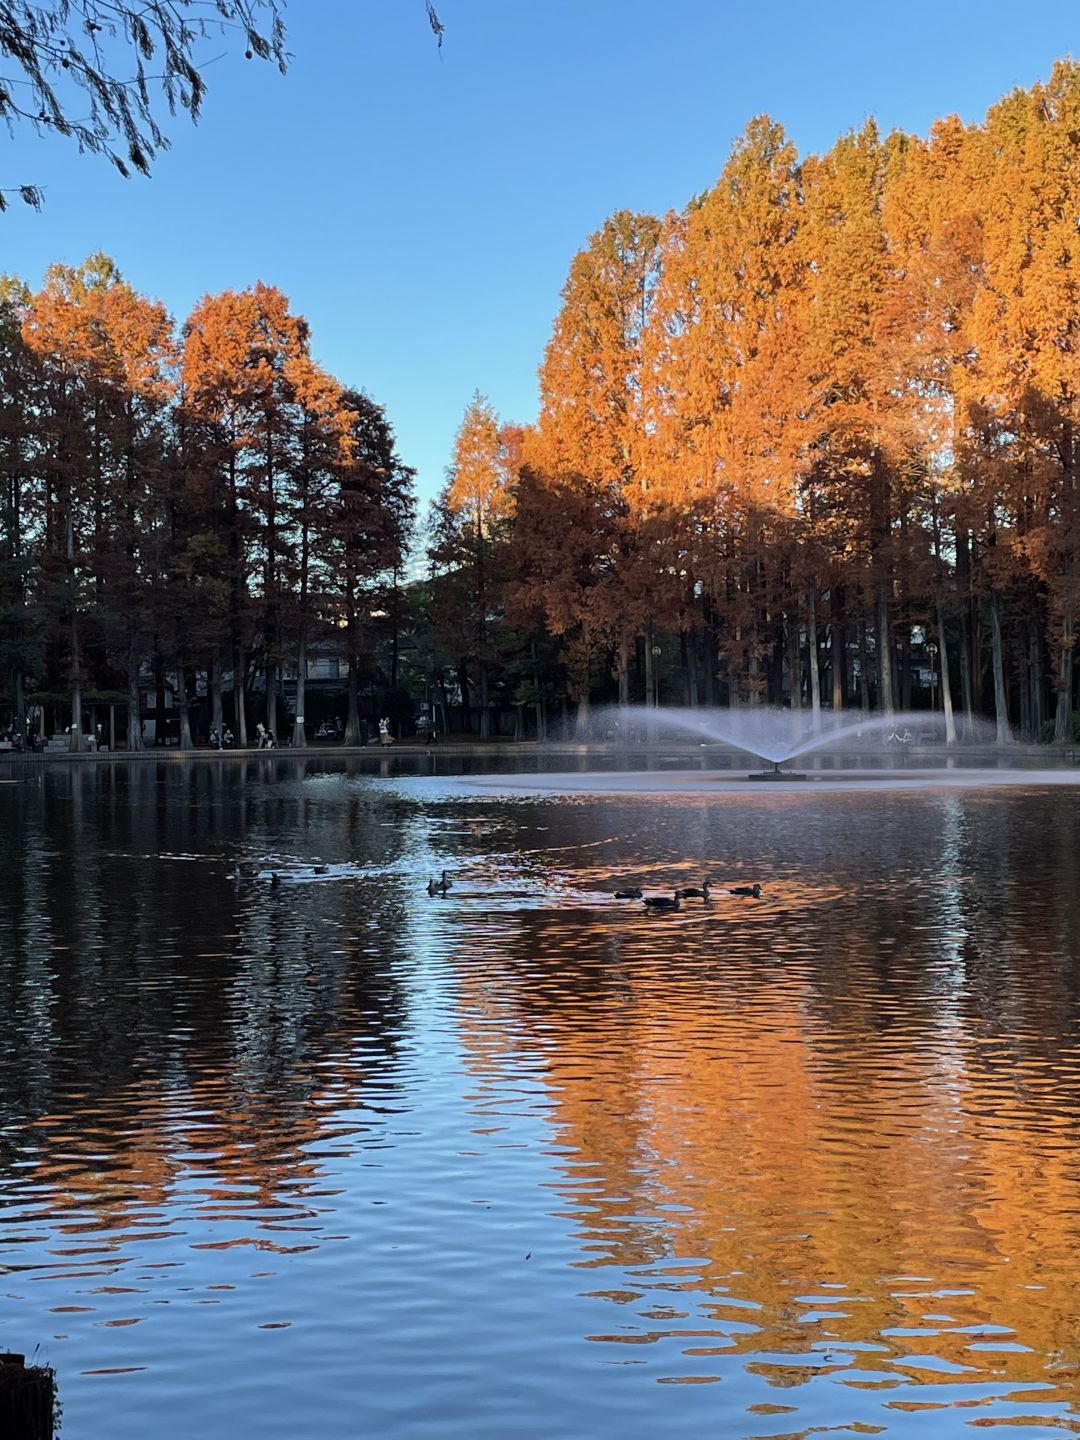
<point x="931" y="650"/>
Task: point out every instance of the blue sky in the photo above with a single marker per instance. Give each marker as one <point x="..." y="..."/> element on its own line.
<point x="422" y="209"/>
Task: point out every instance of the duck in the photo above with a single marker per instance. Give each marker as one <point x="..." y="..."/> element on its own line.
<point x="696" y="892"/>
<point x="438" y="887"/>
<point x="634" y="893"/>
<point x="754" y="890"/>
<point x="275" y="878"/>
<point x="663" y="902"/>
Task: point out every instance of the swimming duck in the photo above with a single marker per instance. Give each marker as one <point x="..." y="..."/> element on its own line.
<point x="663" y="902"/>
<point x="754" y="890"/>
<point x="275" y="878"/>
<point x="696" y="892"/>
<point x="632" y="894"/>
<point x="438" y="887"/>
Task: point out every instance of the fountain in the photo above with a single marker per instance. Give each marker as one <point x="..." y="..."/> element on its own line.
<point x="777" y="737"/>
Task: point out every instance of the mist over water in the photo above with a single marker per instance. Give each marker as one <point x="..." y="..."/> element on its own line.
<point x="779" y="735"/>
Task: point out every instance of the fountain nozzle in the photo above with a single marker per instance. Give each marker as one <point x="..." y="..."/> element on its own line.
<point x="775" y="773"/>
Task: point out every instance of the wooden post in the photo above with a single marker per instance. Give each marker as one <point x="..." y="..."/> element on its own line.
<point x="27" y="1394"/>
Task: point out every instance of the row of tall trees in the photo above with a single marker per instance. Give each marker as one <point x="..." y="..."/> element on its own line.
<point x="828" y="410"/>
<point x="206" y="500"/>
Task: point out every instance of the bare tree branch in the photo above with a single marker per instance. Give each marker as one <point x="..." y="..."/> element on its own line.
<point x="65" y="58"/>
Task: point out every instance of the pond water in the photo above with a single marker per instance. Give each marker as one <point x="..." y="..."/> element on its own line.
<point x="332" y="1157"/>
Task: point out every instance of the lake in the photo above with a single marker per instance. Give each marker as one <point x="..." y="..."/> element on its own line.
<point x="328" y="1156"/>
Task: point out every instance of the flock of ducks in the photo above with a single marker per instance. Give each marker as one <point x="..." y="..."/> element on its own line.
<point x="651" y="902"/>
<point x="248" y="874"/>
<point x="688" y="892"/>
<point x="655" y="903"/>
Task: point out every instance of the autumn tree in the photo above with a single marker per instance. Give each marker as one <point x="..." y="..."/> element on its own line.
<point x="244" y="354"/>
<point x="363" y="537"/>
<point x="468" y="519"/>
<point x="1028" y="375"/>
<point x="104" y="353"/>
<point x="21" y="503"/>
<point x="591" y="438"/>
<point x="720" y="344"/>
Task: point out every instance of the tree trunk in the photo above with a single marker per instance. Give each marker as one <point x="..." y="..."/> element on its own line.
<point x="352" y="712"/>
<point x="239" y="699"/>
<point x="485" y="713"/>
<point x="538" y="702"/>
<point x="712" y="653"/>
<point x="1063" y="712"/>
<point x="754" y="672"/>
<point x="299" y="733"/>
<point x="836" y="662"/>
<point x="794" y="661"/>
<point x="1001" y="714"/>
<point x="583" y="720"/>
<point x="966" y="687"/>
<point x="946" y="683"/>
<point x="1036" y="673"/>
<point x="271" y="697"/>
<point x="216" y="718"/>
<point x="134" y="716"/>
<point x="650" y="669"/>
<point x="20" y="705"/>
<point x="182" y="703"/>
<point x="75" y="741"/>
<point x="395" y="623"/>
<point x="864" y="674"/>
<point x="466" y="707"/>
<point x="886" y="703"/>
<point x="963" y="587"/>
<point x="837" y="650"/>
<point x="812" y="647"/>
<point x="159" y="699"/>
<point x="624" y="671"/>
<point x="905" y="668"/>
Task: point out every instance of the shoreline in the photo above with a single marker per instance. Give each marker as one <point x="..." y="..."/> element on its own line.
<point x="891" y="759"/>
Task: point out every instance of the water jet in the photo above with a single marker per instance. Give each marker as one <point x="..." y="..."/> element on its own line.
<point x="777" y="737"/>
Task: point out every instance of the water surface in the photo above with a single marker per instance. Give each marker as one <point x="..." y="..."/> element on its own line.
<point x="332" y="1157"/>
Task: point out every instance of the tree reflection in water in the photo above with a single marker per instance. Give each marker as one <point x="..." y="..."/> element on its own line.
<point x="820" y="1147"/>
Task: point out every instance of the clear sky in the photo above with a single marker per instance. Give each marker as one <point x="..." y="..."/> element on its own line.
<point x="421" y="209"/>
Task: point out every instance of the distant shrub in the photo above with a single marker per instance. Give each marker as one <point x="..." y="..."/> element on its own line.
<point x="1046" y="733"/>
